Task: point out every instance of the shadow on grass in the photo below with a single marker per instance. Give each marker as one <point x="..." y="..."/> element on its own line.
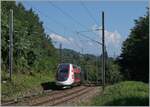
<point x="50" y="86"/>
<point x="129" y="101"/>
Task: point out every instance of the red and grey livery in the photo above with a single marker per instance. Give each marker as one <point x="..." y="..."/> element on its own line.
<point x="68" y="75"/>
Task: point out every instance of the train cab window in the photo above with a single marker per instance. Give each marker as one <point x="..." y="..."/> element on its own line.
<point x="63" y="72"/>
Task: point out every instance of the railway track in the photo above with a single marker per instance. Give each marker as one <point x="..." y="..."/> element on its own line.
<point x="25" y="100"/>
<point x="70" y="97"/>
<point x="7" y="103"/>
<point x="63" y="97"/>
<point x="52" y="98"/>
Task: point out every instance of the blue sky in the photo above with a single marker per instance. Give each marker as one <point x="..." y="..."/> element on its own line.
<point x="119" y="19"/>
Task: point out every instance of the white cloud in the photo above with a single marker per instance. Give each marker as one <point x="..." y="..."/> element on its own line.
<point x="58" y="38"/>
<point x="113" y="39"/>
<point x="113" y="42"/>
<point x="90" y="43"/>
<point x="71" y="39"/>
<point x="110" y="37"/>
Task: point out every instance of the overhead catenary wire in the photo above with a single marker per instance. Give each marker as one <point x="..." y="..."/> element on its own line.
<point x="65" y="13"/>
<point x="52" y="19"/>
<point x="88" y="12"/>
<point x="62" y="36"/>
<point x="89" y="38"/>
<point x="64" y="25"/>
<point x="75" y="43"/>
<point x="68" y="15"/>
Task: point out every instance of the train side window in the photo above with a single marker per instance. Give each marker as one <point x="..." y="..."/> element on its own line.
<point x="74" y="68"/>
<point x="77" y="75"/>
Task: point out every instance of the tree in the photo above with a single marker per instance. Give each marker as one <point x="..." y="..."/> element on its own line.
<point x="32" y="49"/>
<point x="134" y="59"/>
<point x="113" y="73"/>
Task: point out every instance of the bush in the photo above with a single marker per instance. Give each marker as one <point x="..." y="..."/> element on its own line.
<point x="113" y="73"/>
<point x="127" y="93"/>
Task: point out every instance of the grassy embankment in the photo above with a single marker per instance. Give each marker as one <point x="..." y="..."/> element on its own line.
<point x="128" y="93"/>
<point x="24" y="84"/>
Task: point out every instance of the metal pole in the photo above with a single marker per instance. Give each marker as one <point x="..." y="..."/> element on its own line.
<point x="11" y="44"/>
<point x="87" y="76"/>
<point x="97" y="71"/>
<point x="83" y="67"/>
<point x="60" y="50"/>
<point x="103" y="50"/>
<point x="86" y="71"/>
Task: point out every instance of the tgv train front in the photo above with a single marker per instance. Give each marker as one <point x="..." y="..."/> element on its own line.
<point x="64" y="75"/>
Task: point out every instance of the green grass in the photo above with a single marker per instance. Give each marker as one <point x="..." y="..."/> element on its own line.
<point x="24" y="83"/>
<point x="128" y="93"/>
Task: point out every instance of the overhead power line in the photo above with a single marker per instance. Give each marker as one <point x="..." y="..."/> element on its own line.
<point x="65" y="13"/>
<point x="89" y="38"/>
<point x="88" y="11"/>
<point x="68" y="15"/>
<point x="64" y="37"/>
<point x="75" y="44"/>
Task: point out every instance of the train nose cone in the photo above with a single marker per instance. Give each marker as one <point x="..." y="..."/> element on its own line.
<point x="57" y="83"/>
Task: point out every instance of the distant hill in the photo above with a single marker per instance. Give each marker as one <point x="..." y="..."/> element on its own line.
<point x="71" y="56"/>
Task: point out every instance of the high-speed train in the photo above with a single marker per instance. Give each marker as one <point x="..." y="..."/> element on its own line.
<point x="68" y="75"/>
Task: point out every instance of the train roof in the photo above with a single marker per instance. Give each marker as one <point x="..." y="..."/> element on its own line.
<point x="68" y="63"/>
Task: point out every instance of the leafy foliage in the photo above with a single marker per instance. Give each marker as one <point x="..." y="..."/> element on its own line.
<point x="134" y="59"/>
<point x="128" y="93"/>
<point x="33" y="50"/>
<point x="113" y="73"/>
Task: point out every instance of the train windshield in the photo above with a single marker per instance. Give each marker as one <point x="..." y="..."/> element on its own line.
<point x="63" y="72"/>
